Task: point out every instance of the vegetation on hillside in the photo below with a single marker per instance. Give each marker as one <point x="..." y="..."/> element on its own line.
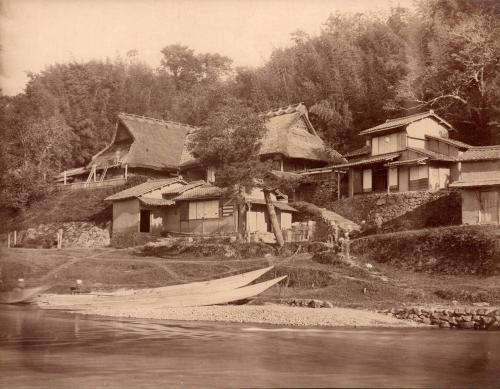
<point x="359" y="70"/>
<point x="444" y="250"/>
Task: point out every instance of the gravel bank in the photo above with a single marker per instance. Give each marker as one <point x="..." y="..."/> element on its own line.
<point x="264" y="314"/>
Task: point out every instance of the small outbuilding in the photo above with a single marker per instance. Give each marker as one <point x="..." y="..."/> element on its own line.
<point x="479" y="184"/>
<point x="199" y="208"/>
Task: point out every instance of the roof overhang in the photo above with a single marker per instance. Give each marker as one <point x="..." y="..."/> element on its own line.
<point x="459" y="145"/>
<point x="368" y="161"/>
<point x="408" y="162"/>
<point x="151" y="202"/>
<point x="475" y="184"/>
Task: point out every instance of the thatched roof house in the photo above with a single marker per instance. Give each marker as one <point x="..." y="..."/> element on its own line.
<point x="159" y="148"/>
<point x="145" y="142"/>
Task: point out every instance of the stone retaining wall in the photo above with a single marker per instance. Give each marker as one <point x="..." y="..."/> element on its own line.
<point x="461" y="318"/>
<point x="74" y="235"/>
<point x="402" y="211"/>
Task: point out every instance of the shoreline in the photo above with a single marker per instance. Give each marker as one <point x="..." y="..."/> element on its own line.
<point x="272" y="314"/>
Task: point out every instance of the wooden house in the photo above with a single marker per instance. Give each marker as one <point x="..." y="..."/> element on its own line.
<point x="290" y="142"/>
<point x="176" y="206"/>
<point x="140" y="146"/>
<point x="159" y="149"/>
<point x="479" y="183"/>
<point x="404" y="154"/>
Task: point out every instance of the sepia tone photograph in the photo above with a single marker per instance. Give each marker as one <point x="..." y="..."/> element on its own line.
<point x="249" y="194"/>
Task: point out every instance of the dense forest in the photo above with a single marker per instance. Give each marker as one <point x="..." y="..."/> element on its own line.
<point x="358" y="71"/>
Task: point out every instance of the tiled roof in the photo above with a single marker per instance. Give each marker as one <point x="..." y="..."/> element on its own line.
<point x="433" y="155"/>
<point x="143" y="188"/>
<point x="156" y="144"/>
<point x="156" y="202"/>
<point x="404" y="121"/>
<point x="479" y="153"/>
<point x="282" y="136"/>
<point x="475" y="183"/>
<point x="452" y="142"/>
<point x="200" y="192"/>
<point x="369" y="160"/>
<point x="278" y="204"/>
<point x="356" y="153"/>
<point x="182" y="189"/>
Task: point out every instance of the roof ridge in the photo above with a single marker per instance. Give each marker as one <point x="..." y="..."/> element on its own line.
<point x="284" y="110"/>
<point x="147" y="118"/>
<point x="430" y="112"/>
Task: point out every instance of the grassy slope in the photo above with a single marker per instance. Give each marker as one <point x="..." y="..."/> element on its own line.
<point x="67" y="206"/>
<point x="106" y="269"/>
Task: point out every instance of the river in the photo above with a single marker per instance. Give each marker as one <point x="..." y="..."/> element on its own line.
<point x="61" y="350"/>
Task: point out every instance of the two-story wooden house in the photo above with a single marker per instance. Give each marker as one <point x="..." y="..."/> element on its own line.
<point x="410" y="153"/>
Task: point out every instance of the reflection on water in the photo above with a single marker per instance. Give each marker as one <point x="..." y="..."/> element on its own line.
<point x="50" y="349"/>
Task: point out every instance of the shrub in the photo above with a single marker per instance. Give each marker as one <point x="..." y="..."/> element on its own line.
<point x="449" y="250"/>
<point x="130" y="239"/>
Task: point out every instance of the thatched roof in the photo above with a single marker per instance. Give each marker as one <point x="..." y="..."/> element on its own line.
<point x="291" y="134"/>
<point x="155" y="144"/>
<point x="140" y="141"/>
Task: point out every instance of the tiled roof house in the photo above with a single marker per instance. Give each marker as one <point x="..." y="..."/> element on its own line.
<point x="414" y="152"/>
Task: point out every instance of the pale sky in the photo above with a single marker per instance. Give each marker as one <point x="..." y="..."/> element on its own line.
<point x="37" y="33"/>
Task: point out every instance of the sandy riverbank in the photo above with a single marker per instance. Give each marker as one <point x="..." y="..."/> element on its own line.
<point x="261" y="314"/>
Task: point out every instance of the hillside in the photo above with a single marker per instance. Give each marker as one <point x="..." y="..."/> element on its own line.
<point x="59" y="206"/>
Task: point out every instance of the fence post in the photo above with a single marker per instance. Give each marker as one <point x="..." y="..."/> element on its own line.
<point x="15" y="237"/>
<point x="8" y="240"/>
<point x="59" y="238"/>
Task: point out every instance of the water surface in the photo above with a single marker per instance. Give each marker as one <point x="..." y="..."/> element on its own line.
<point x="60" y="350"/>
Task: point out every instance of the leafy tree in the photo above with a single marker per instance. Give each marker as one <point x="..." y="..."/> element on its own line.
<point x="458" y="70"/>
<point x="230" y="142"/>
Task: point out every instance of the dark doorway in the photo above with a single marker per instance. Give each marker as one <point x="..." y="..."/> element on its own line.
<point x="379" y="179"/>
<point x="145" y="221"/>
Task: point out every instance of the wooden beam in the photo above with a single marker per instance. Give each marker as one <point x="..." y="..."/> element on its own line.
<point x="338" y="185"/>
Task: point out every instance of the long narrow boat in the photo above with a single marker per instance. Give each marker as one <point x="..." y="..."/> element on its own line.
<point x="192" y="300"/>
<point x="201" y="287"/>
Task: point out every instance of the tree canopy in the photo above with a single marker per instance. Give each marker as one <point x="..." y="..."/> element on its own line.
<point x="358" y="71"/>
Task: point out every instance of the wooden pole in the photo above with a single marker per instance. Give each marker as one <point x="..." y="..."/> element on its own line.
<point x="59" y="239"/>
<point x="338" y="185"/>
<point x="15" y="237"/>
<point x="126" y="172"/>
<point x="8" y="240"/>
<point x="388" y="180"/>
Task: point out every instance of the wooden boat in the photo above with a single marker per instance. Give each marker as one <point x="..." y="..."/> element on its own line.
<point x="189" y="300"/>
<point x="21" y="295"/>
<point x="235" y="281"/>
<point x="202" y="287"/>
